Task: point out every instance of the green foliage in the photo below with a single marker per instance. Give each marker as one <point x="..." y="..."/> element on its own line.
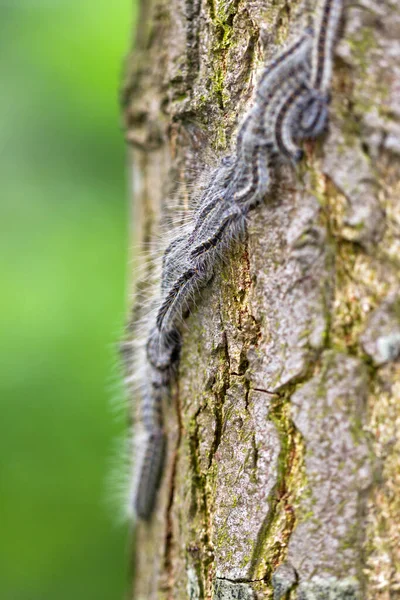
<point x="63" y="220"/>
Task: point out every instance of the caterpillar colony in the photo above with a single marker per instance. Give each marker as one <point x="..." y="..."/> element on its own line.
<point x="290" y="105"/>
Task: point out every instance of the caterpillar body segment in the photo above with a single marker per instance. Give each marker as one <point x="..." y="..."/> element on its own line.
<point x="312" y="119"/>
<point x="147" y="480"/>
<point x="328" y="21"/>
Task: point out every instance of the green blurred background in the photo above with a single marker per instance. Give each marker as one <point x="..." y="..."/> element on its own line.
<point x="63" y="243"/>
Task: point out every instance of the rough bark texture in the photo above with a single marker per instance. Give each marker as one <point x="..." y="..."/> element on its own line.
<point x="283" y="470"/>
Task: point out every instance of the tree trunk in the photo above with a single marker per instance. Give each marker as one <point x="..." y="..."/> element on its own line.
<point x="282" y="477"/>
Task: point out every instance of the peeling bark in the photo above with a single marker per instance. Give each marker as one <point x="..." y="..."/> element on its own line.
<point x="283" y="467"/>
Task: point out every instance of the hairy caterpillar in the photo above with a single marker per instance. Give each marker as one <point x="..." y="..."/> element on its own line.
<point x="290" y="105"/>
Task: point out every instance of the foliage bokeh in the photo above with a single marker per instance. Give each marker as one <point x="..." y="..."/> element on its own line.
<point x="63" y="241"/>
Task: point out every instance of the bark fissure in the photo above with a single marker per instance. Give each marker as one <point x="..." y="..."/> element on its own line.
<point x="243" y="580"/>
<point x="275" y="532"/>
<point x="268" y="392"/>
<point x="168" y="562"/>
<point x="201" y="509"/>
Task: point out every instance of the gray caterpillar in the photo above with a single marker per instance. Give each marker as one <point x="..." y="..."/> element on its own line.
<point x="290" y="105"/>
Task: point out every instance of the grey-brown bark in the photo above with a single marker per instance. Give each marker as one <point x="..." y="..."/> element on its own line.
<point x="283" y="470"/>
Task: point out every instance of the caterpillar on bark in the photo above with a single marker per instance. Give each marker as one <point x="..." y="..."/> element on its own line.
<point x="290" y="104"/>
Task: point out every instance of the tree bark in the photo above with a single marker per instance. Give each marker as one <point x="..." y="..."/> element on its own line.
<point x="282" y="477"/>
